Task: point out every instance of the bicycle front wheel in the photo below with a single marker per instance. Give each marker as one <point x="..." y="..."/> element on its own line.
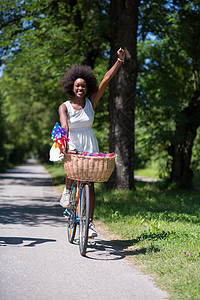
<point x="72" y="223"/>
<point x="84" y="219"/>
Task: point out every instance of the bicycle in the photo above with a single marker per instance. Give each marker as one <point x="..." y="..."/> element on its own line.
<point x="83" y="170"/>
<point x="79" y="214"/>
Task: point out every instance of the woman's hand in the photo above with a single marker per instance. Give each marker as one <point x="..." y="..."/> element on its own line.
<point x="94" y="98"/>
<point x="65" y="146"/>
<point x="121" y="54"/>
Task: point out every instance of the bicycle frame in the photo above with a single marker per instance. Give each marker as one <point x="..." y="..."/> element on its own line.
<point x="78" y="198"/>
<point x="79" y="213"/>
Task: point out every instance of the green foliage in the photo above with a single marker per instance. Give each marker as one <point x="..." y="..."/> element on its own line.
<point x="168" y="79"/>
<point x="39" y="40"/>
<point x="3" y="140"/>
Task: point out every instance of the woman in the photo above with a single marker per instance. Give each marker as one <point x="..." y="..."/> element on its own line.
<point x="77" y="116"/>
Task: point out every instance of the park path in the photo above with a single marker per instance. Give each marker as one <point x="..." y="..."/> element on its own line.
<point x="37" y="262"/>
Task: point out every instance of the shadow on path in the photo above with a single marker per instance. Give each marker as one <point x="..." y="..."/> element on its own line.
<point x="29" y="181"/>
<point x="115" y="249"/>
<point x="31" y="215"/>
<point x="20" y="241"/>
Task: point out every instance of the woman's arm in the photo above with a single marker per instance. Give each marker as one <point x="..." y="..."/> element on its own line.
<point x="107" y="77"/>
<point x="63" y="117"/>
<point x="63" y="120"/>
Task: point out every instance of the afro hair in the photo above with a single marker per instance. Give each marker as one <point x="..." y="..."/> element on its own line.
<point x="75" y="72"/>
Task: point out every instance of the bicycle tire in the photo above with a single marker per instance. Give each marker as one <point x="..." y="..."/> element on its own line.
<point x="72" y="223"/>
<point x="84" y="219"/>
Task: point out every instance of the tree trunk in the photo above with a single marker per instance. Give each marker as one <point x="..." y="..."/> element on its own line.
<point x="181" y="148"/>
<point x="124" y="20"/>
<point x="181" y="159"/>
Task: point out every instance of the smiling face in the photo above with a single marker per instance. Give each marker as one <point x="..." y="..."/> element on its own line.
<point x="80" y="88"/>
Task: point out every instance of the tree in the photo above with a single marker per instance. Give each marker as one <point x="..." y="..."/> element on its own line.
<point x="39" y="40"/>
<point x="169" y="99"/>
<point x="188" y="37"/>
<point x="124" y="20"/>
<point x="3" y="139"/>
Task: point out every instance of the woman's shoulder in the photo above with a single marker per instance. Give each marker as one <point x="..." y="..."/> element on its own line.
<point x="66" y="103"/>
<point x="64" y="107"/>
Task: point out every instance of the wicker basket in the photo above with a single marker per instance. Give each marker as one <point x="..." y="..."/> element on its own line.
<point x="88" y="168"/>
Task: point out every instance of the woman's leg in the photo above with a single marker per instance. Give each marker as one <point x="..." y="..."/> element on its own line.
<point x="68" y="183"/>
<point x="92" y="200"/>
<point x="92" y="232"/>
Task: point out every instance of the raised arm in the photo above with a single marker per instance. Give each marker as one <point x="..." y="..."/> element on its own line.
<point x="107" y="77"/>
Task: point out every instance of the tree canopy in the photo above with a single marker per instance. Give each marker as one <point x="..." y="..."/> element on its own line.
<point x="39" y="40"/>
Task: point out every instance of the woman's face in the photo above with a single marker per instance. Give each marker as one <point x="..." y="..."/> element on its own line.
<point x="80" y="87"/>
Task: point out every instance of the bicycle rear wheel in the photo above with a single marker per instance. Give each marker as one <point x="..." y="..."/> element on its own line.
<point x="72" y="223"/>
<point x="84" y="219"/>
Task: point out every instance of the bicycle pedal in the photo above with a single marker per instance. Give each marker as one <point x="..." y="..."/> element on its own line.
<point x="66" y="215"/>
<point x="91" y="242"/>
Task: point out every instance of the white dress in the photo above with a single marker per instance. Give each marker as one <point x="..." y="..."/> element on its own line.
<point x="81" y="134"/>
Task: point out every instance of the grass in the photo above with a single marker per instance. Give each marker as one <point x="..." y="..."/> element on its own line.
<point x="151" y="171"/>
<point x="157" y="227"/>
<point x="159" y="230"/>
<point x="148" y="172"/>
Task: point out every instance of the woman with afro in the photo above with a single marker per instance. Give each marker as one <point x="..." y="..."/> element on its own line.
<point x="77" y="116"/>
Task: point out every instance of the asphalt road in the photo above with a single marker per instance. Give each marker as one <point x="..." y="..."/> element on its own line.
<point x="37" y="262"/>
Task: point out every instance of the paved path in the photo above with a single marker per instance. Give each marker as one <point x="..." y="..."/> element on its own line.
<point x="37" y="262"/>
